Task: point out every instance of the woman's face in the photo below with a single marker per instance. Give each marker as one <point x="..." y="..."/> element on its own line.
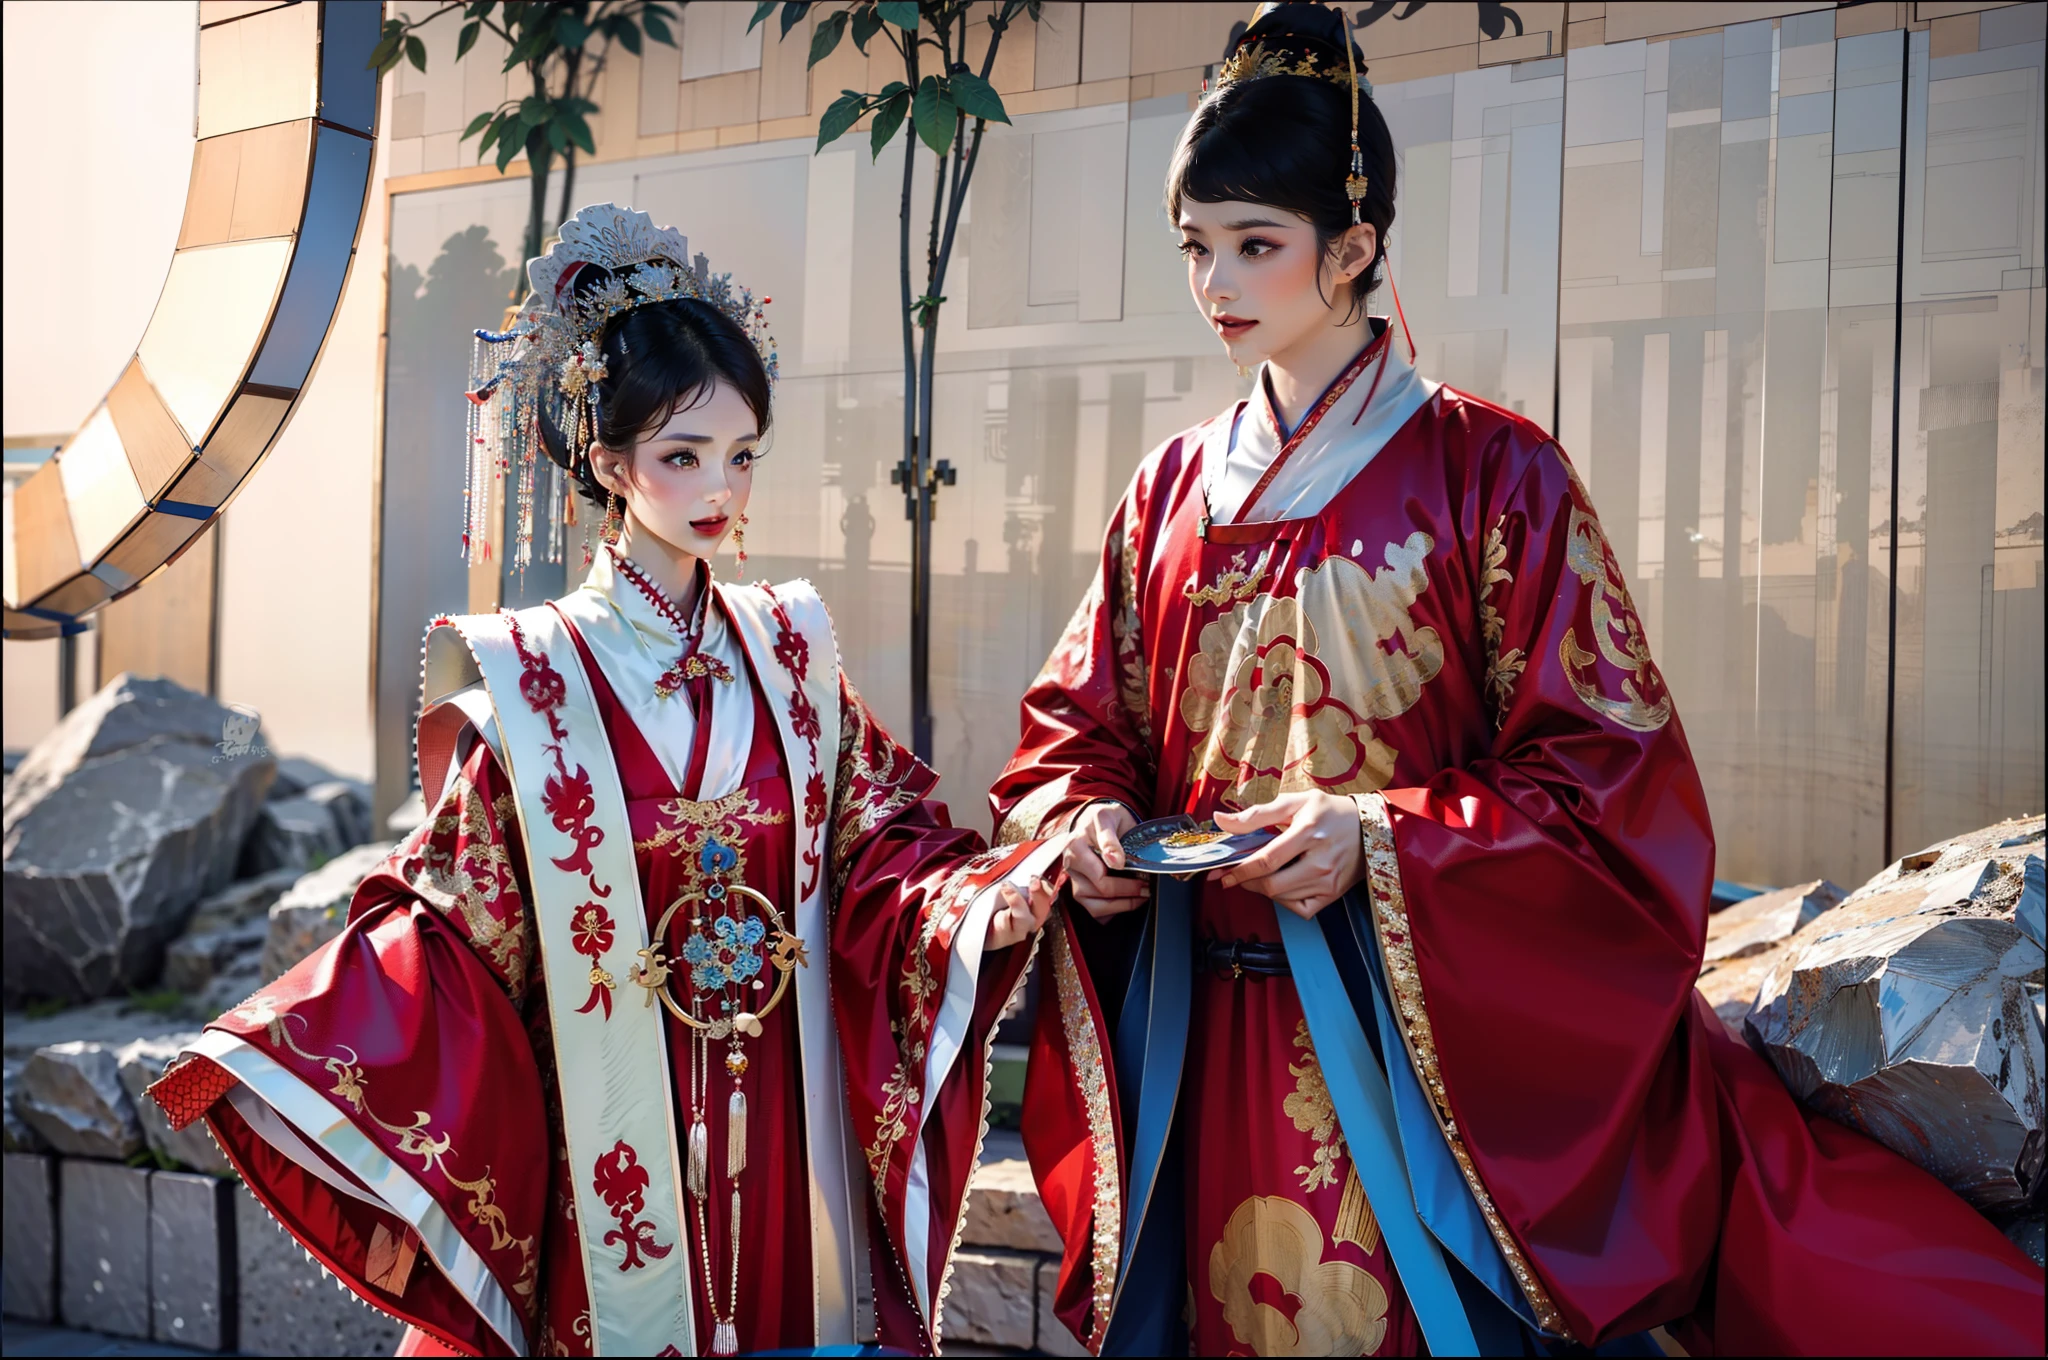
<point x="687" y="482"/>
<point x="1261" y="279"/>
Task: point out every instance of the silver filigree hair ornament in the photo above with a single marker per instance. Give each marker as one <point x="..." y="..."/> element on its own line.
<point x="549" y="363"/>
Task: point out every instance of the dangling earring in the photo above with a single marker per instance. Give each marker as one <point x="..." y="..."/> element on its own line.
<point x="739" y="543"/>
<point x="614" y="522"/>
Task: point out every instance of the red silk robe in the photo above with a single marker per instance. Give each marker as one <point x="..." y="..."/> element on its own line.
<point x="421" y="1036"/>
<point x="1449" y="641"/>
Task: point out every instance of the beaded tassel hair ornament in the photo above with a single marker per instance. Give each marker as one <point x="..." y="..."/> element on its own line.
<point x="547" y="364"/>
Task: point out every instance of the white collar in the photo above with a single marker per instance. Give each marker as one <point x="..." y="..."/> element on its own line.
<point x="635" y="645"/>
<point x="1342" y="442"/>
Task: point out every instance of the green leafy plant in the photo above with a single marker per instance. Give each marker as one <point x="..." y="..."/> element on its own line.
<point x="562" y="44"/>
<point x="934" y="103"/>
<point x="164" y="1001"/>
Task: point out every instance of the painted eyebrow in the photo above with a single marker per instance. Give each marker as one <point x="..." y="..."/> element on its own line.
<point x="1246" y="224"/>
<point x="700" y="438"/>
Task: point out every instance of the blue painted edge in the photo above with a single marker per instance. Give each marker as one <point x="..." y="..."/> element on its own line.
<point x="1365" y="1112"/>
<point x="184" y="508"/>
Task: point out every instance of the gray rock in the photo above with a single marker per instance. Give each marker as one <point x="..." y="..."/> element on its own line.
<point x="290" y="833"/>
<point x="72" y="1095"/>
<point x="103" y="1248"/>
<point x="191" y="1260"/>
<point x="316" y="908"/>
<point x="232" y="985"/>
<point x="1003" y="1210"/>
<point x="112" y="1022"/>
<point x="296" y="774"/>
<point x="1912" y="1012"/>
<point x="1755" y="924"/>
<point x="288" y="1305"/>
<point x="131" y="810"/>
<point x="994" y="1300"/>
<point x="406" y="817"/>
<point x="349" y="802"/>
<point x="198" y="956"/>
<point x="28" y="1287"/>
<point x="240" y="902"/>
<point x="141" y="1063"/>
<point x="1053" y="1336"/>
<point x="19" y="1136"/>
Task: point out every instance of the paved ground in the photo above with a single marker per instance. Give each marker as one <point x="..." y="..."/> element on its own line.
<point x="29" y="1338"/>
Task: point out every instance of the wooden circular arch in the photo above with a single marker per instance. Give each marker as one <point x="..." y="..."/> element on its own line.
<point x="287" y="125"/>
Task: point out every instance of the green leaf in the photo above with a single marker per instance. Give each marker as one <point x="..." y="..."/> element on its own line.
<point x="416" y="52"/>
<point x="888" y="117"/>
<point x="657" y="29"/>
<point x="866" y="23"/>
<point x="902" y="13"/>
<point x="558" y="134"/>
<point x="976" y="97"/>
<point x="533" y="110"/>
<point x="934" y="114"/>
<point x="629" y="38"/>
<point x="579" y="131"/>
<point x="843" y="114"/>
<point x="892" y="89"/>
<point x="761" y="11"/>
<point x="793" y="14"/>
<point x="491" y="134"/>
<point x="479" y="9"/>
<point x="507" y="148"/>
<point x="826" y="37"/>
<point x="467" y="38"/>
<point x="478" y="124"/>
<point x="570" y="31"/>
<point x="382" y="55"/>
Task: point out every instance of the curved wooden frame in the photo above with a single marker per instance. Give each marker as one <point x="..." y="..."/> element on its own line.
<point x="287" y="125"/>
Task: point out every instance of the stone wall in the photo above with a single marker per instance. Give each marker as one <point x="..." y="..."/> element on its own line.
<point x="195" y="1260"/>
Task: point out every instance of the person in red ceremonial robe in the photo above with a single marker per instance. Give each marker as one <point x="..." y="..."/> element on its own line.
<point x="666" y="1033"/>
<point x="1458" y="1090"/>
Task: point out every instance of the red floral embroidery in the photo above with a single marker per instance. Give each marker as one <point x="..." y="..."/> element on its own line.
<point x="814" y="812"/>
<point x="803" y="718"/>
<point x="540" y="684"/>
<point x="793" y="650"/>
<point x="570" y="803"/>
<point x="621" y="1182"/>
<point x="592" y="932"/>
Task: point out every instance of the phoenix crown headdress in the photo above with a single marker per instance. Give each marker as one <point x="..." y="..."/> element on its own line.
<point x="547" y="363"/>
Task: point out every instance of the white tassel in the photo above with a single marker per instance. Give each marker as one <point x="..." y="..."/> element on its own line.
<point x="700" y="1159"/>
<point x="725" y="1340"/>
<point x="736" y="1133"/>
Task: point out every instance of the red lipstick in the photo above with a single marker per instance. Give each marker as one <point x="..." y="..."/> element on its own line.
<point x="1231" y="327"/>
<point x="711" y="527"/>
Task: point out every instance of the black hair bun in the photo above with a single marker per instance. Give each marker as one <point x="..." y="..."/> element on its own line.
<point x="1302" y="24"/>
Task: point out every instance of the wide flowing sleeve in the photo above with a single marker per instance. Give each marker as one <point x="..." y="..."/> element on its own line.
<point x="382" y="1098"/>
<point x="916" y="1000"/>
<point x="1086" y="728"/>
<point x="1541" y="915"/>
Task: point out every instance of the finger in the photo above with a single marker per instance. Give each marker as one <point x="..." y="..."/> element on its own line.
<point x="1103" y="909"/>
<point x="1293" y="883"/>
<point x="1271" y="857"/>
<point x="1276" y="813"/>
<point x="1108" y="844"/>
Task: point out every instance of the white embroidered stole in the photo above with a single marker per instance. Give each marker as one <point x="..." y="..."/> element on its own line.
<point x="611" y="1063"/>
<point x="789" y="642"/>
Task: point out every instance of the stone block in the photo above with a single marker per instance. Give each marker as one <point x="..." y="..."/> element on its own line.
<point x="243" y="901"/>
<point x="994" y="1300"/>
<point x="1003" y="1210"/>
<point x="141" y="1063"/>
<point x="112" y="1022"/>
<point x="28" y="1240"/>
<point x="1755" y="924"/>
<point x="191" y="1260"/>
<point x="287" y="1304"/>
<point x="72" y="1095"/>
<point x="103" y="1253"/>
<point x="1053" y="1336"/>
<point x="197" y="957"/>
<point x="290" y="833"/>
<point x="349" y="801"/>
<point x="117" y="823"/>
<point x="19" y="1137"/>
<point x="316" y="908"/>
<point x="296" y="774"/>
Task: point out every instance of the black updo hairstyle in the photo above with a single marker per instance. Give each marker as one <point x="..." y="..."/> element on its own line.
<point x="660" y="358"/>
<point x="1286" y="141"/>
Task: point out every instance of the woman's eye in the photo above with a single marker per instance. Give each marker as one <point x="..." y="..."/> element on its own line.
<point x="1256" y="247"/>
<point x="1191" y="248"/>
<point x="681" y="458"/>
<point x="744" y="458"/>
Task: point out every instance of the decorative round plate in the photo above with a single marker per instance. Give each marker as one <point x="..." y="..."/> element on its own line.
<point x="1182" y="845"/>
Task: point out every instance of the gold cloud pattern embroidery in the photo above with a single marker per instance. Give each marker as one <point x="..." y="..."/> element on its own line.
<point x="1284" y="690"/>
<point x="1342" y="1308"/>
<point x="1617" y="633"/>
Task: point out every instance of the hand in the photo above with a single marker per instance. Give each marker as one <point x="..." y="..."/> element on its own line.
<point x="1016" y="916"/>
<point x="1315" y="861"/>
<point x="1096" y="849"/>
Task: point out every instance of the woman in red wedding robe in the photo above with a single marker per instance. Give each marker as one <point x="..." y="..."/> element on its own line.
<point x="1379" y="616"/>
<point x="666" y="1032"/>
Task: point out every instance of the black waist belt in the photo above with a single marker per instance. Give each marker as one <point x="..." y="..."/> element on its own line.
<point x="1244" y="958"/>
